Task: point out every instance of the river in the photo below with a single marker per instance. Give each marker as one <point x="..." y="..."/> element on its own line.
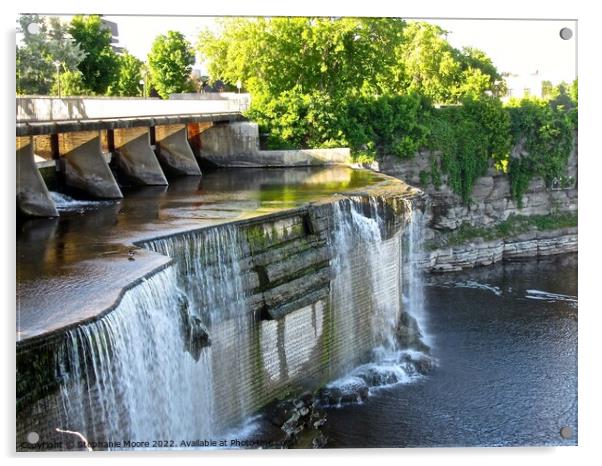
<point x="506" y="372"/>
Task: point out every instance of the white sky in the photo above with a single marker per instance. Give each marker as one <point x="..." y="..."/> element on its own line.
<point x="517" y="46"/>
<point x="520" y="47"/>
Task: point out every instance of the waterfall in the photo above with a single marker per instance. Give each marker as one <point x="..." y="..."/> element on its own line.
<point x="126" y="375"/>
<point x="363" y="253"/>
<point x="129" y="376"/>
<point x="414" y="298"/>
<point x="367" y="269"/>
<point x="209" y="269"/>
<point x="183" y="356"/>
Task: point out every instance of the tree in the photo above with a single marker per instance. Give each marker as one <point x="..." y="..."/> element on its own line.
<point x="99" y="67"/>
<point x="430" y="62"/>
<point x="129" y="75"/>
<point x="338" y="56"/>
<point x="69" y="83"/>
<point x="170" y="63"/>
<point x="37" y="54"/>
<point x="478" y="67"/>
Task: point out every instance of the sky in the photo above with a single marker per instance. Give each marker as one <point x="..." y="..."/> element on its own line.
<point x="516" y="46"/>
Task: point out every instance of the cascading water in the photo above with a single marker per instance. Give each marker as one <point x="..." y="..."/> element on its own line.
<point x="414" y="297"/>
<point x="126" y="376"/>
<point x="145" y="370"/>
<point x="359" y="236"/>
<point x="209" y="269"/>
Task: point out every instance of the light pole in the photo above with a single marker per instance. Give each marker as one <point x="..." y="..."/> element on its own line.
<point x="143" y="88"/>
<point x="57" y="64"/>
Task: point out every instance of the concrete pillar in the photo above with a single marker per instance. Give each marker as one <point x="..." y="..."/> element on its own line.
<point x="135" y="158"/>
<point x="33" y="198"/>
<point x="194" y="131"/>
<point x="174" y="152"/>
<point x="223" y="143"/>
<point x="85" y="165"/>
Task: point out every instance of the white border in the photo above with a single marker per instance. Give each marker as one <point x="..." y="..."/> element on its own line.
<point x="589" y="179"/>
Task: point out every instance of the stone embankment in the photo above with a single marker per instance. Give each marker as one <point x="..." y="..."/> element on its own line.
<point x="481" y="252"/>
<point x="492" y="204"/>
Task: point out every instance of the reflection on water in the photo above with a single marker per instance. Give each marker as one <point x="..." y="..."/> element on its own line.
<point x="507" y="372"/>
<point x="75" y="262"/>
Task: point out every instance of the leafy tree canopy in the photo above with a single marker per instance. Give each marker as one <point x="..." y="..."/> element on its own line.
<point x="70" y="83"/>
<point x="170" y="63"/>
<point x="345" y="57"/>
<point x="99" y="67"/>
<point x="129" y="74"/>
<point x="38" y="53"/>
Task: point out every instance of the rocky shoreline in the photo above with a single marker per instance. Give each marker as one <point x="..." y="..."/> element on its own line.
<point x="481" y="252"/>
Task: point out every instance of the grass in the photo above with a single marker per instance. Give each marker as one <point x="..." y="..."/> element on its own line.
<point x="513" y="226"/>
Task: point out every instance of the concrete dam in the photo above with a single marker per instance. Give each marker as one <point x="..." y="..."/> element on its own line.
<point x="188" y="305"/>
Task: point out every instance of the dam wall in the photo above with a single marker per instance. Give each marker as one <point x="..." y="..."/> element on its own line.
<point x="246" y="313"/>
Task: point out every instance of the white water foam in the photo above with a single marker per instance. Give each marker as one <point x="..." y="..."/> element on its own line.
<point x="551" y="297"/>
<point x="473" y="284"/>
<point x="414" y="298"/>
<point x="63" y="202"/>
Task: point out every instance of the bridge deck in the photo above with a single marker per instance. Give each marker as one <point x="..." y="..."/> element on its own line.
<point x="37" y="128"/>
<point x="47" y="115"/>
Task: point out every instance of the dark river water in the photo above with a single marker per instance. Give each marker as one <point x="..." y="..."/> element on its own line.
<point x="507" y="365"/>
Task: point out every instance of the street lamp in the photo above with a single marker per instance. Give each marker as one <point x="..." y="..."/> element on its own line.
<point x="141" y="82"/>
<point x="238" y="85"/>
<point x="57" y="64"/>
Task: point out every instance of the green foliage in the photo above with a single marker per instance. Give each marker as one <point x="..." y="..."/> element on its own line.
<point x="386" y="125"/>
<point x="70" y="83"/>
<point x="543" y="136"/>
<point x="442" y="73"/>
<point x="37" y="54"/>
<point x="295" y="119"/>
<point x="368" y="83"/>
<point x="100" y="65"/>
<point x="435" y="174"/>
<point x="336" y="56"/>
<point x="467" y="137"/>
<point x="129" y="75"/>
<point x="170" y="63"/>
<point x="344" y="57"/>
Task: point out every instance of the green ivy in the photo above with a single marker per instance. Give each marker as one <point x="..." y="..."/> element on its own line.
<point x="467" y="137"/>
<point x="543" y="137"/>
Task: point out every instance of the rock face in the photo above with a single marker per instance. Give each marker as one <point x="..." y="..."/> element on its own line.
<point x="195" y="333"/>
<point x="491" y="199"/>
<point x="298" y="421"/>
<point x="491" y="203"/>
<point x="477" y="253"/>
<point x="408" y="333"/>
